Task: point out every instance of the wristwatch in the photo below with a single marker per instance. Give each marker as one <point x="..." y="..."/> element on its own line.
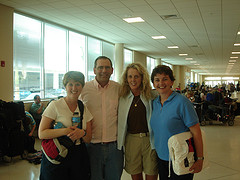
<point x="200" y="158"/>
<point x="85" y="133"/>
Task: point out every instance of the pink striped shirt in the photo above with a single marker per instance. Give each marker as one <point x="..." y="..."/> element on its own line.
<point x="102" y="102"/>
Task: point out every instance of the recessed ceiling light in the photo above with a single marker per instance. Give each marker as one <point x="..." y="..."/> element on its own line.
<point x="193" y="61"/>
<point x="188" y="59"/>
<point x="173" y="47"/>
<point x="159" y="37"/>
<point x="235" y="52"/>
<point x="183" y="54"/>
<point x="234" y="57"/>
<point x="237" y="44"/>
<point x="232" y="60"/>
<point x="133" y="20"/>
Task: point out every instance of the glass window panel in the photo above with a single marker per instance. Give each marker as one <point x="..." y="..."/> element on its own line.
<point x="108" y="50"/>
<point x="127" y="57"/>
<point x="94" y="50"/>
<point x="27" y="58"/>
<point x="76" y="52"/>
<point x="55" y="48"/>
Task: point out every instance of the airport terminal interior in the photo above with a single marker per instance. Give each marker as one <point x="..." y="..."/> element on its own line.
<point x="41" y="40"/>
<point x="222" y="145"/>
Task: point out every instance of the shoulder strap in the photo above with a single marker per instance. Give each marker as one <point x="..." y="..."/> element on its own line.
<point x="81" y="109"/>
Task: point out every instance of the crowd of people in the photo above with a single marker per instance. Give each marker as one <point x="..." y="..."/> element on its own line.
<point x="125" y="126"/>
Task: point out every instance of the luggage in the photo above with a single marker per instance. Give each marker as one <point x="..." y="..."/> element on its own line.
<point x="12" y="115"/>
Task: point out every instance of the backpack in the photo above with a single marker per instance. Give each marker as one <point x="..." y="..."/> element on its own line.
<point x="182" y="152"/>
<point x="56" y="149"/>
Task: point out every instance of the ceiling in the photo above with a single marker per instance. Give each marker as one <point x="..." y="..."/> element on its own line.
<point x="204" y="29"/>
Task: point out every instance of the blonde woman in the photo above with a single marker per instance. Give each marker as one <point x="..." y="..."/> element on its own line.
<point x="134" y="114"/>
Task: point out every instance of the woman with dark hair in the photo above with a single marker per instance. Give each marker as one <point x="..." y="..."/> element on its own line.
<point x="134" y="114"/>
<point x="172" y="114"/>
<point x="61" y="111"/>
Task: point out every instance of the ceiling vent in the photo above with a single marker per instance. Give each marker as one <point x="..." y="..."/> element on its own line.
<point x="193" y="46"/>
<point x="169" y="17"/>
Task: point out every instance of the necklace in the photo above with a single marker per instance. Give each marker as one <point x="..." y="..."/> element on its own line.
<point x="136" y="102"/>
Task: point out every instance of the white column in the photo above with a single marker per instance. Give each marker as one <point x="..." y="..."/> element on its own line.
<point x="119" y="61"/>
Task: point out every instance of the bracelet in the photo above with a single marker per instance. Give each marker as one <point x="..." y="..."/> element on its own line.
<point x="200" y="158"/>
<point x="85" y="133"/>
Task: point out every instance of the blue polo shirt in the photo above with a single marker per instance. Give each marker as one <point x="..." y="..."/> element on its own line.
<point x="175" y="116"/>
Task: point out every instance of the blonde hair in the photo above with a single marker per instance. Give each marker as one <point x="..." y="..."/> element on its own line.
<point x="145" y="84"/>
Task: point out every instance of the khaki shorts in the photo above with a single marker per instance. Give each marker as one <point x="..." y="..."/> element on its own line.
<point x="139" y="157"/>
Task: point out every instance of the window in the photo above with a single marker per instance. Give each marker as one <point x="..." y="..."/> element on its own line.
<point x="127" y="58"/>
<point x="43" y="53"/>
<point x="150" y="64"/>
<point x="94" y="50"/>
<point x="27" y="62"/>
<point x="55" y="56"/>
<point x="77" y="55"/>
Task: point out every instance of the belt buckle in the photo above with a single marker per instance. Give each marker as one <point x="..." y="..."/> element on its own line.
<point x="142" y="134"/>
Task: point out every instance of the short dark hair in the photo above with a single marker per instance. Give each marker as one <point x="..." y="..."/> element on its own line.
<point x="162" y="69"/>
<point x="74" y="75"/>
<point x="102" y="57"/>
<point x="35" y="97"/>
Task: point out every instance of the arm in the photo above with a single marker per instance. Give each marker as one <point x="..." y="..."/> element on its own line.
<point x="40" y="110"/>
<point x="46" y="132"/>
<point x="33" y="128"/>
<point x="197" y="137"/>
<point x="88" y="137"/>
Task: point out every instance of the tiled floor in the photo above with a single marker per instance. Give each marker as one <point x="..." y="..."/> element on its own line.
<point x="223" y="143"/>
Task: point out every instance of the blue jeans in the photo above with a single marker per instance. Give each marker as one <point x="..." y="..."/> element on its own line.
<point x="106" y="161"/>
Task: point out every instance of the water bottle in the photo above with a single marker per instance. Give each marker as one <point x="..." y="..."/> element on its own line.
<point x="76" y="119"/>
<point x="58" y="125"/>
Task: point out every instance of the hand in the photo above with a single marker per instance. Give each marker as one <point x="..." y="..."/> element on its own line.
<point x="76" y="133"/>
<point x="197" y="166"/>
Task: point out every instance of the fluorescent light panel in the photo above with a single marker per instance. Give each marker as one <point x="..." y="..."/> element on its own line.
<point x="193" y="61"/>
<point x="235" y="52"/>
<point x="196" y="64"/>
<point x="188" y="59"/>
<point x="230" y="63"/>
<point x="173" y="47"/>
<point x="237" y="44"/>
<point x="133" y="20"/>
<point x="238" y="32"/>
<point x="233" y="57"/>
<point x="159" y="37"/>
<point x="183" y="54"/>
<point x="232" y="60"/>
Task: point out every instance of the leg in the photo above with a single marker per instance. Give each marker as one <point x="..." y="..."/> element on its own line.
<point x="151" y="177"/>
<point x="52" y="171"/>
<point x="96" y="161"/>
<point x="113" y="162"/>
<point x="137" y="176"/>
<point x="163" y="169"/>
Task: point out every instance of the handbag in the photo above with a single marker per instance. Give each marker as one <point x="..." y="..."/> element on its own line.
<point x="182" y="152"/>
<point x="56" y="149"/>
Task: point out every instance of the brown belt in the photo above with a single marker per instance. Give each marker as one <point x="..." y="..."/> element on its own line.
<point x="140" y="134"/>
<point x="106" y="142"/>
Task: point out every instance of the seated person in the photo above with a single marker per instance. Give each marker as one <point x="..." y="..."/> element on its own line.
<point x="37" y="109"/>
<point x="30" y="140"/>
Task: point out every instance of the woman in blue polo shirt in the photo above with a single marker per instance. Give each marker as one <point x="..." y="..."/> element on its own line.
<point x="172" y="113"/>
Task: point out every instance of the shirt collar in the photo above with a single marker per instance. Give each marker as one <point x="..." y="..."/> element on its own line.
<point x="169" y="98"/>
<point x="97" y="85"/>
